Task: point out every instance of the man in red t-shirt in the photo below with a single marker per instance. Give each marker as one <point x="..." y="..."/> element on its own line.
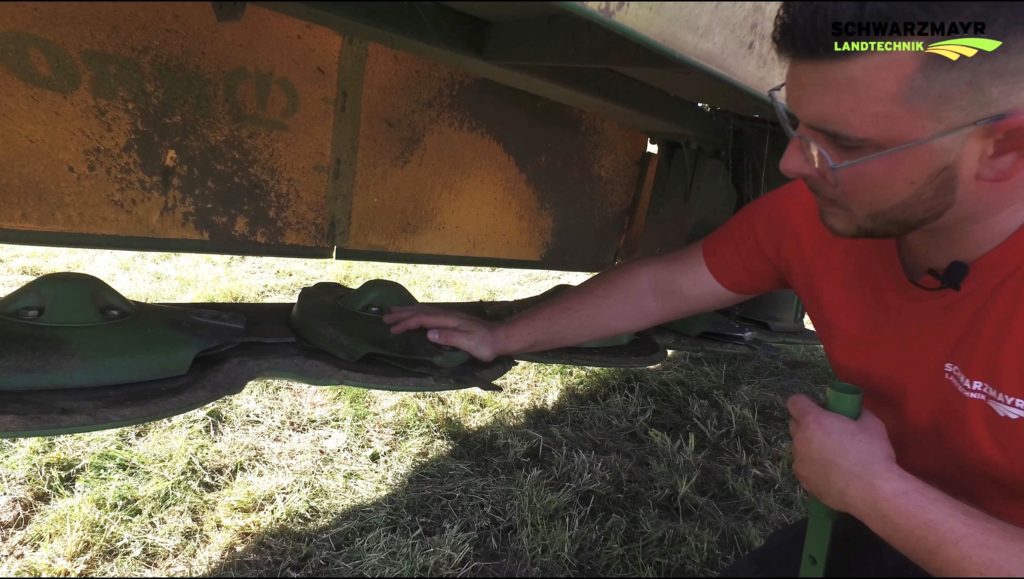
<point x="903" y="163"/>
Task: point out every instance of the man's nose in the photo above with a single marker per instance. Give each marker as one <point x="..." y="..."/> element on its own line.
<point x="794" y="164"/>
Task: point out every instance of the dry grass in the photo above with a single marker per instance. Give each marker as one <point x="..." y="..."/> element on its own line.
<point x="674" y="469"/>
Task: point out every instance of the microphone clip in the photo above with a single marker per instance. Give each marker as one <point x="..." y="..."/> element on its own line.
<point x="955" y="273"/>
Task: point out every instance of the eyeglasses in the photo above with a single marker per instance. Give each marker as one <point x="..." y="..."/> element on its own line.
<point x="817" y="156"/>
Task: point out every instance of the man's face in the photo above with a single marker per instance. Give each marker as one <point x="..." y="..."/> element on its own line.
<point x="855" y="107"/>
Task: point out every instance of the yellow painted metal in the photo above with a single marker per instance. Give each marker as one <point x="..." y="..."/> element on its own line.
<point x="152" y="125"/>
<point x="451" y="164"/>
<point x="153" y="120"/>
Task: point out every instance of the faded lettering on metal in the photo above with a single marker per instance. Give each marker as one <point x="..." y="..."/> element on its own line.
<point x="156" y="121"/>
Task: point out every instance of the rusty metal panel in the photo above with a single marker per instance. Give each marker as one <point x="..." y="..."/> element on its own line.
<point x="456" y="166"/>
<point x="154" y="122"/>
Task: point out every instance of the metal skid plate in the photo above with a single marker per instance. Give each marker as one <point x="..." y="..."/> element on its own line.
<point x="640" y="352"/>
<point x="51" y="412"/>
<point x="270" y="353"/>
<point x="348" y="324"/>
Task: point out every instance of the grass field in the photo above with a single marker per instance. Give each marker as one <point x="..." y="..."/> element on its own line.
<point x="674" y="469"/>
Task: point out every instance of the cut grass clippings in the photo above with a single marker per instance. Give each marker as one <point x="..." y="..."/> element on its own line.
<point x="674" y="469"/>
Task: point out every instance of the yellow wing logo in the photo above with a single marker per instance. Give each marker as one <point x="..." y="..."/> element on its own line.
<point x="954" y="49"/>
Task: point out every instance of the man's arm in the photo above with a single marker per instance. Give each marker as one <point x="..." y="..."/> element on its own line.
<point x="941" y="534"/>
<point x="850" y="466"/>
<point x="626" y="298"/>
<point x="630" y="297"/>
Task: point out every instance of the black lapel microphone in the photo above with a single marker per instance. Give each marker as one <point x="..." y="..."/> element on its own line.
<point x="955" y="273"/>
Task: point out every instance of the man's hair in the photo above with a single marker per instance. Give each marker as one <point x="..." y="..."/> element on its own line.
<point x="986" y="81"/>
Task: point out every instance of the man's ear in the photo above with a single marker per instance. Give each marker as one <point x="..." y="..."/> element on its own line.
<point x="1002" y="158"/>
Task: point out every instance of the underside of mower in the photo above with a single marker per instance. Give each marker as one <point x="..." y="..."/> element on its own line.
<point x="462" y="133"/>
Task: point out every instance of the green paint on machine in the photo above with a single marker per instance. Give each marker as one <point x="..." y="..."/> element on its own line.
<point x="71" y="330"/>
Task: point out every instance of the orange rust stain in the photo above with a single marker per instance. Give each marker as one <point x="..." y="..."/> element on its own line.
<point x="425" y="183"/>
<point x="475" y="204"/>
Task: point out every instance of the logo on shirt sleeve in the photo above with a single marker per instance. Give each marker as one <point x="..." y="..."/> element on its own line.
<point x="1004" y="405"/>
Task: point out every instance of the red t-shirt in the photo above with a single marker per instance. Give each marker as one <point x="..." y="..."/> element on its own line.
<point x="944" y="370"/>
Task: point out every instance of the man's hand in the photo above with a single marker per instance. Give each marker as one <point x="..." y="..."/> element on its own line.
<point x="474" y="335"/>
<point x="833" y="456"/>
<point x="850" y="466"/>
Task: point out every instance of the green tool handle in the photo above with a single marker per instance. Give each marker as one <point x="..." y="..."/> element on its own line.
<point x="844" y="399"/>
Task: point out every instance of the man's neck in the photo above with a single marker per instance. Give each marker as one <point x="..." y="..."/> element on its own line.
<point x="967" y="240"/>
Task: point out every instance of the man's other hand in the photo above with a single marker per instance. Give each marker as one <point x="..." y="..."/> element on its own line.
<point x="834" y="457"/>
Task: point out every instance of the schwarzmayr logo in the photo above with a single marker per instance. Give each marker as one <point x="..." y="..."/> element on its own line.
<point x="952" y="49"/>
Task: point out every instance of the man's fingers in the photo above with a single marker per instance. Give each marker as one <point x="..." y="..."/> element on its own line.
<point x="394" y="315"/>
<point x="399" y="313"/>
<point x="423" y="320"/>
<point x="444" y="327"/>
<point x="454" y="338"/>
<point x="800" y="406"/>
<point x="464" y="340"/>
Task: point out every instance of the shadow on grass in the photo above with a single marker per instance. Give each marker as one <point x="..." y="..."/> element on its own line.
<point x="673" y="470"/>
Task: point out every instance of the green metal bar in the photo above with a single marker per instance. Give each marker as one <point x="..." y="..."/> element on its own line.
<point x="566" y="40"/>
<point x="132" y="243"/>
<point x="462" y="260"/>
<point x="345" y="146"/>
<point x="844" y="399"/>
